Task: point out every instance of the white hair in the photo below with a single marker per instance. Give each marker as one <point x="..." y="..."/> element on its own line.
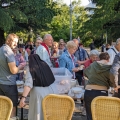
<point x="47" y="35"/>
<point x="94" y="52"/>
<point x="39" y="38"/>
<point x="71" y="44"/>
<point x="118" y="41"/>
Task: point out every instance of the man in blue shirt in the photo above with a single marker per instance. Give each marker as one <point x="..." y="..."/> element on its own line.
<point x="81" y="57"/>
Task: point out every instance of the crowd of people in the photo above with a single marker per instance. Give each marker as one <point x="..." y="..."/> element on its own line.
<point x="101" y="70"/>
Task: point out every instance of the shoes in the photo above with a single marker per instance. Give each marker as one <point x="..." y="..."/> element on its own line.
<point x="14" y="118"/>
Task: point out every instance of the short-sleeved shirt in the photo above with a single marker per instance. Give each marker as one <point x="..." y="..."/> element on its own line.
<point x="112" y="52"/>
<point x="6" y="56"/>
<point x="81" y="54"/>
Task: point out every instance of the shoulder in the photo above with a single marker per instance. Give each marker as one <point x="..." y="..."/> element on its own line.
<point x="64" y="55"/>
<point x="40" y="48"/>
<point x="111" y="51"/>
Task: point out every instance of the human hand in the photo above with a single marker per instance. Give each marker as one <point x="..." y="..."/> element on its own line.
<point x="116" y="89"/>
<point x="22" y="102"/>
<point x="80" y="62"/>
<point x="21" y="66"/>
<point x="75" y="69"/>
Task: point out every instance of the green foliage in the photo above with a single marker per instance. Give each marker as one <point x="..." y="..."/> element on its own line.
<point x="105" y="19"/>
<point x="60" y="24"/>
<point x="6" y="21"/>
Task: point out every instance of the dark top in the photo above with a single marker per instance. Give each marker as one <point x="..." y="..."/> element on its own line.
<point x="40" y="71"/>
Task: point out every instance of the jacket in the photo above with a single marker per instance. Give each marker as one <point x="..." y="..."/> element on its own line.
<point x="66" y="61"/>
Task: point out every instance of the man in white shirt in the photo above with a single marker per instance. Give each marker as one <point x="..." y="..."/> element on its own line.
<point x="114" y="50"/>
<point x="43" y="50"/>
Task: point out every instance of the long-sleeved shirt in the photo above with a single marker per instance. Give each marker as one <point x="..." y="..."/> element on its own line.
<point x="44" y="55"/>
<point x="114" y="71"/>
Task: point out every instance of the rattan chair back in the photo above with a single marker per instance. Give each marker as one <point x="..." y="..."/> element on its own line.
<point x="5" y="108"/>
<point x="58" y="107"/>
<point x="105" y="108"/>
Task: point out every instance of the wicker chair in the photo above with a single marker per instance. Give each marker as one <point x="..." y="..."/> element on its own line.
<point x="58" y="107"/>
<point x="105" y="108"/>
<point x="5" y="108"/>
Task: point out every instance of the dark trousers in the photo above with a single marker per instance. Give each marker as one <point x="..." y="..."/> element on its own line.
<point x="79" y="76"/>
<point x="89" y="96"/>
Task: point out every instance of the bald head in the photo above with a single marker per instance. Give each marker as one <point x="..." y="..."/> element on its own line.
<point x="76" y="42"/>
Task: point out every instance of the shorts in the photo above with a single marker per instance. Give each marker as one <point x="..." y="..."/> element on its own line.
<point x="11" y="92"/>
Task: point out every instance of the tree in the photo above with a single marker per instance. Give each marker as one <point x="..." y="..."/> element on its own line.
<point x="60" y="24"/>
<point x="22" y="14"/>
<point x="104" y="20"/>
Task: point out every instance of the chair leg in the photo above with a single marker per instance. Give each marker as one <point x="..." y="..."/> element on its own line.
<point x="21" y="113"/>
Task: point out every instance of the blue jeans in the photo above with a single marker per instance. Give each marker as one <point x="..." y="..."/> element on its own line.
<point x="89" y="96"/>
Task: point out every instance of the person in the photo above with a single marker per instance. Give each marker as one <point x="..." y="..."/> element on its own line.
<point x="114" y="50"/>
<point x="19" y="59"/>
<point x="43" y="50"/>
<point x="39" y="40"/>
<point x="8" y="70"/>
<point x="114" y="74"/>
<point x="67" y="59"/>
<point x="55" y="49"/>
<point x="81" y="46"/>
<point x="62" y="46"/>
<point x="92" y="46"/>
<point x="107" y="47"/>
<point x="99" y="81"/>
<point x="23" y="52"/>
<point x="94" y="56"/>
<point x="103" y="48"/>
<point x="55" y="53"/>
<point x="39" y="81"/>
<point x="81" y="57"/>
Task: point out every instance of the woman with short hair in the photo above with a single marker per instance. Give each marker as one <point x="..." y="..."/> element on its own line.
<point x="67" y="59"/>
<point x="98" y="81"/>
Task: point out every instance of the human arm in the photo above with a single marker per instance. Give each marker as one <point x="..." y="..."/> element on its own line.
<point x="114" y="71"/>
<point x="27" y="87"/>
<point x="13" y="68"/>
<point x="24" y="95"/>
<point x="82" y="62"/>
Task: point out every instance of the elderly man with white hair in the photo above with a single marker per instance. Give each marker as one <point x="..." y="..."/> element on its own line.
<point x="43" y="50"/>
<point x="114" y="51"/>
<point x="94" y="56"/>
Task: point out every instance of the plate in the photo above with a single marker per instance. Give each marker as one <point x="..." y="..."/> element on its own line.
<point x="77" y="89"/>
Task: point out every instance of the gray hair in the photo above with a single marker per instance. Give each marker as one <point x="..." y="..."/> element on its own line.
<point x="118" y="41"/>
<point x="47" y="35"/>
<point x="39" y="38"/>
<point x="94" y="52"/>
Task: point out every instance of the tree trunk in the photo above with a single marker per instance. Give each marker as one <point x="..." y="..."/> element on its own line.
<point x="2" y="39"/>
